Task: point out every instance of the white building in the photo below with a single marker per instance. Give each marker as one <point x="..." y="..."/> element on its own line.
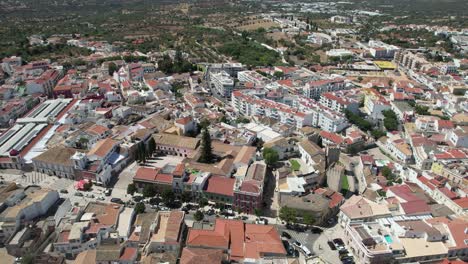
<point x="222" y="82"/>
<point x="379" y="49"/>
<point x="314" y="89"/>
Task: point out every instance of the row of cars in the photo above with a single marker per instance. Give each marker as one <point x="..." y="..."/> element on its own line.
<point x="294" y="247"/>
<point x="345" y="256"/>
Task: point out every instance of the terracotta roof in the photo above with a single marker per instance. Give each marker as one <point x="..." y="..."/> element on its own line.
<point x="220" y="185"/>
<point x="97" y="129"/>
<point x="261" y="239"/>
<point x="102" y="147"/>
<point x="462" y="202"/>
<point x="57" y="155"/>
<point x="152" y="175"/>
<point x="201" y="255"/>
<point x="129" y="254"/>
<point x="243" y="240"/>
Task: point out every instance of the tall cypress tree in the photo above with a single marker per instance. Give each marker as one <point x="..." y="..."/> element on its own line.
<point x="206" y="155"/>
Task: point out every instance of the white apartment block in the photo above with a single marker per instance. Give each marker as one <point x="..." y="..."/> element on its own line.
<point x="341" y="100"/>
<point x="230" y="68"/>
<point x="253" y="77"/>
<point x="249" y="105"/>
<point x="314" y="89"/>
<point x="304" y="112"/>
<point x="378" y="49"/>
<point x="222" y="82"/>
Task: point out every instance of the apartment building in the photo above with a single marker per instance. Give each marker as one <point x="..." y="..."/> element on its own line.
<point x="381" y="50"/>
<point x="222" y="82"/>
<point x="248" y="190"/>
<point x="22" y="206"/>
<point x="341" y="100"/>
<point x="253" y="77"/>
<point x="410" y="60"/>
<point x="250" y="105"/>
<point x="176" y="145"/>
<point x="167" y="233"/>
<point x="314" y="89"/>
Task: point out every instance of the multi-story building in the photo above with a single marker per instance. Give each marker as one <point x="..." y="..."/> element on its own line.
<point x="223" y="83"/>
<point x="341" y="100"/>
<point x="167" y="232"/>
<point x="250" y="105"/>
<point x="248" y="190"/>
<point x="378" y="49"/>
<point x="43" y="84"/>
<point x="242" y="241"/>
<point x="176" y="145"/>
<point x="230" y="68"/>
<point x="169" y="177"/>
<point x="314" y="89"/>
<point x="322" y="116"/>
<point x="252" y="77"/>
<point x="410" y="60"/>
<point x="96" y="224"/>
<point x="374" y="104"/>
<point x="305" y="112"/>
<point x="22" y="206"/>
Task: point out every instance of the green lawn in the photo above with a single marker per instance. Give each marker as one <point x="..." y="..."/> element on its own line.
<point x="344" y="183"/>
<point x="295" y="164"/>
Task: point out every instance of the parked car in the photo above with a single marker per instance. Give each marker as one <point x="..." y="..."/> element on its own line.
<point x="296" y="227"/>
<point x="288" y="247"/>
<point x="339" y="244"/>
<point x="63" y="191"/>
<point x="286" y="235"/>
<point x="108" y="192"/>
<point x="346" y="255"/>
<point x="138" y="198"/>
<point x="116" y="200"/>
<point x="100" y="198"/>
<point x="316" y="230"/>
<point x="306" y="251"/>
<point x="78" y="194"/>
<point x="297" y="244"/>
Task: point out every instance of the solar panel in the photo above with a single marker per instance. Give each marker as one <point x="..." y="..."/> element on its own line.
<point x="57" y="110"/>
<point x="36" y="111"/>
<point x="17" y="137"/>
<point x="24" y="141"/>
<point x="49" y="109"/>
<point x="9" y="133"/>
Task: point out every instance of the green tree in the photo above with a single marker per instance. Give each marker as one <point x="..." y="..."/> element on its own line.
<point x="377" y="133"/>
<point x="112" y="67"/>
<point x="206" y="155"/>
<point x="198" y="216"/>
<point x="149" y="191"/>
<point x="421" y="110"/>
<point x="27" y="258"/>
<point x="288" y="214"/>
<point x="387" y="172"/>
<point x="186" y="197"/>
<point x="278" y="74"/>
<point x="258" y="212"/>
<point x="390" y="120"/>
<point x="151" y="146"/>
<point x="131" y="189"/>
<point x="270" y="156"/>
<point x="168" y="196"/>
<point x="308" y="219"/>
<point x="203" y="202"/>
<point x="140" y="208"/>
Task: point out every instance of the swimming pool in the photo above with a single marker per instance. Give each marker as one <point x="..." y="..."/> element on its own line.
<point x="388" y="239"/>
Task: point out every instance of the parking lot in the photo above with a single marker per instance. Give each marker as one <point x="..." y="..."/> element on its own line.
<point x="316" y="243"/>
